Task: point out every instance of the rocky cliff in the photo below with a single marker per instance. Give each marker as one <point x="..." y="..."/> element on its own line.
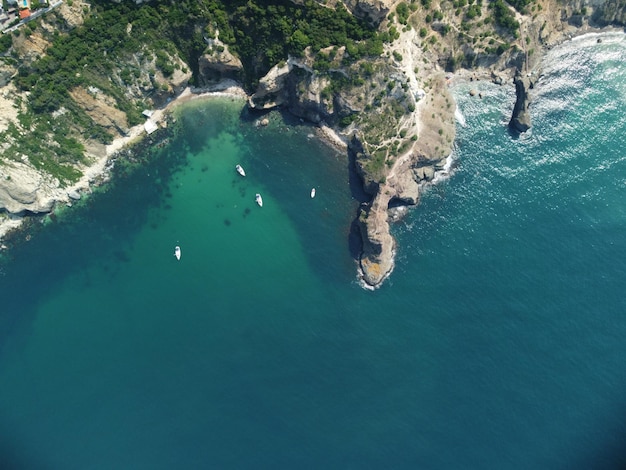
<point x="520" y="120"/>
<point x="399" y="126"/>
<point x="394" y="164"/>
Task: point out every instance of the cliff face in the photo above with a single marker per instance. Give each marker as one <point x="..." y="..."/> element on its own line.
<point x="218" y="64"/>
<point x="296" y="87"/>
<point x="24" y="189"/>
<point x="520" y="120"/>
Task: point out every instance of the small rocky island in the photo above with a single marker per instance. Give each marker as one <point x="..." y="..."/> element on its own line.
<point x="375" y="83"/>
<point x="520" y="119"/>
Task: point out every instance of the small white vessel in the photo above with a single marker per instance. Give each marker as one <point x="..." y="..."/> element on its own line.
<point x="240" y="170"/>
<point x="177" y="252"/>
<point x="258" y="199"/>
<point x="312" y="193"/>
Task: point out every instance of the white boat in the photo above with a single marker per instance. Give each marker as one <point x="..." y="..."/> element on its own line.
<point x="177" y="252"/>
<point x="239" y="169"/>
<point x="313" y="193"/>
<point x="258" y="199"/>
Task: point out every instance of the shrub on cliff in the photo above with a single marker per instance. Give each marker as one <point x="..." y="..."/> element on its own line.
<point x="504" y="17"/>
<point x="6" y="41"/>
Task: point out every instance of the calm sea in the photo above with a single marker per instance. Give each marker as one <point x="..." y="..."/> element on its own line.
<point x="499" y="342"/>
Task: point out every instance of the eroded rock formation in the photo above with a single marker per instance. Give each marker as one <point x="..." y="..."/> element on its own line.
<point x="520" y="120"/>
<point x="23" y="189"/>
<point x="218" y="64"/>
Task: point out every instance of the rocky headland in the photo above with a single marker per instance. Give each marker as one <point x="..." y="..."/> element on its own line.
<point x="520" y="118"/>
<point x="393" y="113"/>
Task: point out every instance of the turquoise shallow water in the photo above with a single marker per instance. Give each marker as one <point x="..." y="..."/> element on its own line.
<point x="498" y="341"/>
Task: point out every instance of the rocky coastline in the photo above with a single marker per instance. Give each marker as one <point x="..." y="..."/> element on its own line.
<point x="394" y="158"/>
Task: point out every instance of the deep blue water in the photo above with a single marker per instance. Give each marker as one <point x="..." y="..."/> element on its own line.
<point x="497" y="343"/>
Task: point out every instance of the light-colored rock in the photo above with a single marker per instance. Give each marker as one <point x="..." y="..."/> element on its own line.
<point x="165" y="87"/>
<point x="73" y="13"/>
<point x="6" y="73"/>
<point x="404" y="186"/>
<point x="520" y="120"/>
<point x="377" y="258"/>
<point x="101" y="109"/>
<point x="24" y="189"/>
<point x="218" y="64"/>
<point x="402" y="182"/>
<point x="74" y="195"/>
<point x="271" y="90"/>
<point x="8" y="110"/>
<point x="372" y="10"/>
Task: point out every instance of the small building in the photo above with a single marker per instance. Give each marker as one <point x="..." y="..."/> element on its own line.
<point x="24" y="13"/>
<point x="150" y="126"/>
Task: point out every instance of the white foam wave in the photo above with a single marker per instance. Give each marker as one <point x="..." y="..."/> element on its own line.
<point x="458" y="115"/>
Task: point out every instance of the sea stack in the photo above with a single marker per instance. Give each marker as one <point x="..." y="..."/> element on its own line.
<point x="520" y="120"/>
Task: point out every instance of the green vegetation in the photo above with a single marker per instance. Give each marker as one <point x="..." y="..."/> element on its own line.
<point x="521" y="5"/>
<point x="403" y="12"/>
<point x="6" y="41"/>
<point x="260" y="35"/>
<point x="263" y="35"/>
<point x="504" y="17"/>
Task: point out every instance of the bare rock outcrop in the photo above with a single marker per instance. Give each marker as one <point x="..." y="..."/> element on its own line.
<point x="23" y="189"/>
<point x="271" y="91"/>
<point x="520" y="120"/>
<point x="168" y="86"/>
<point x="402" y="184"/>
<point x="218" y="64"/>
<point x="401" y="188"/>
<point x="377" y="257"/>
<point x="373" y="11"/>
<point x="101" y="108"/>
<point x="6" y="73"/>
<point x="295" y="86"/>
